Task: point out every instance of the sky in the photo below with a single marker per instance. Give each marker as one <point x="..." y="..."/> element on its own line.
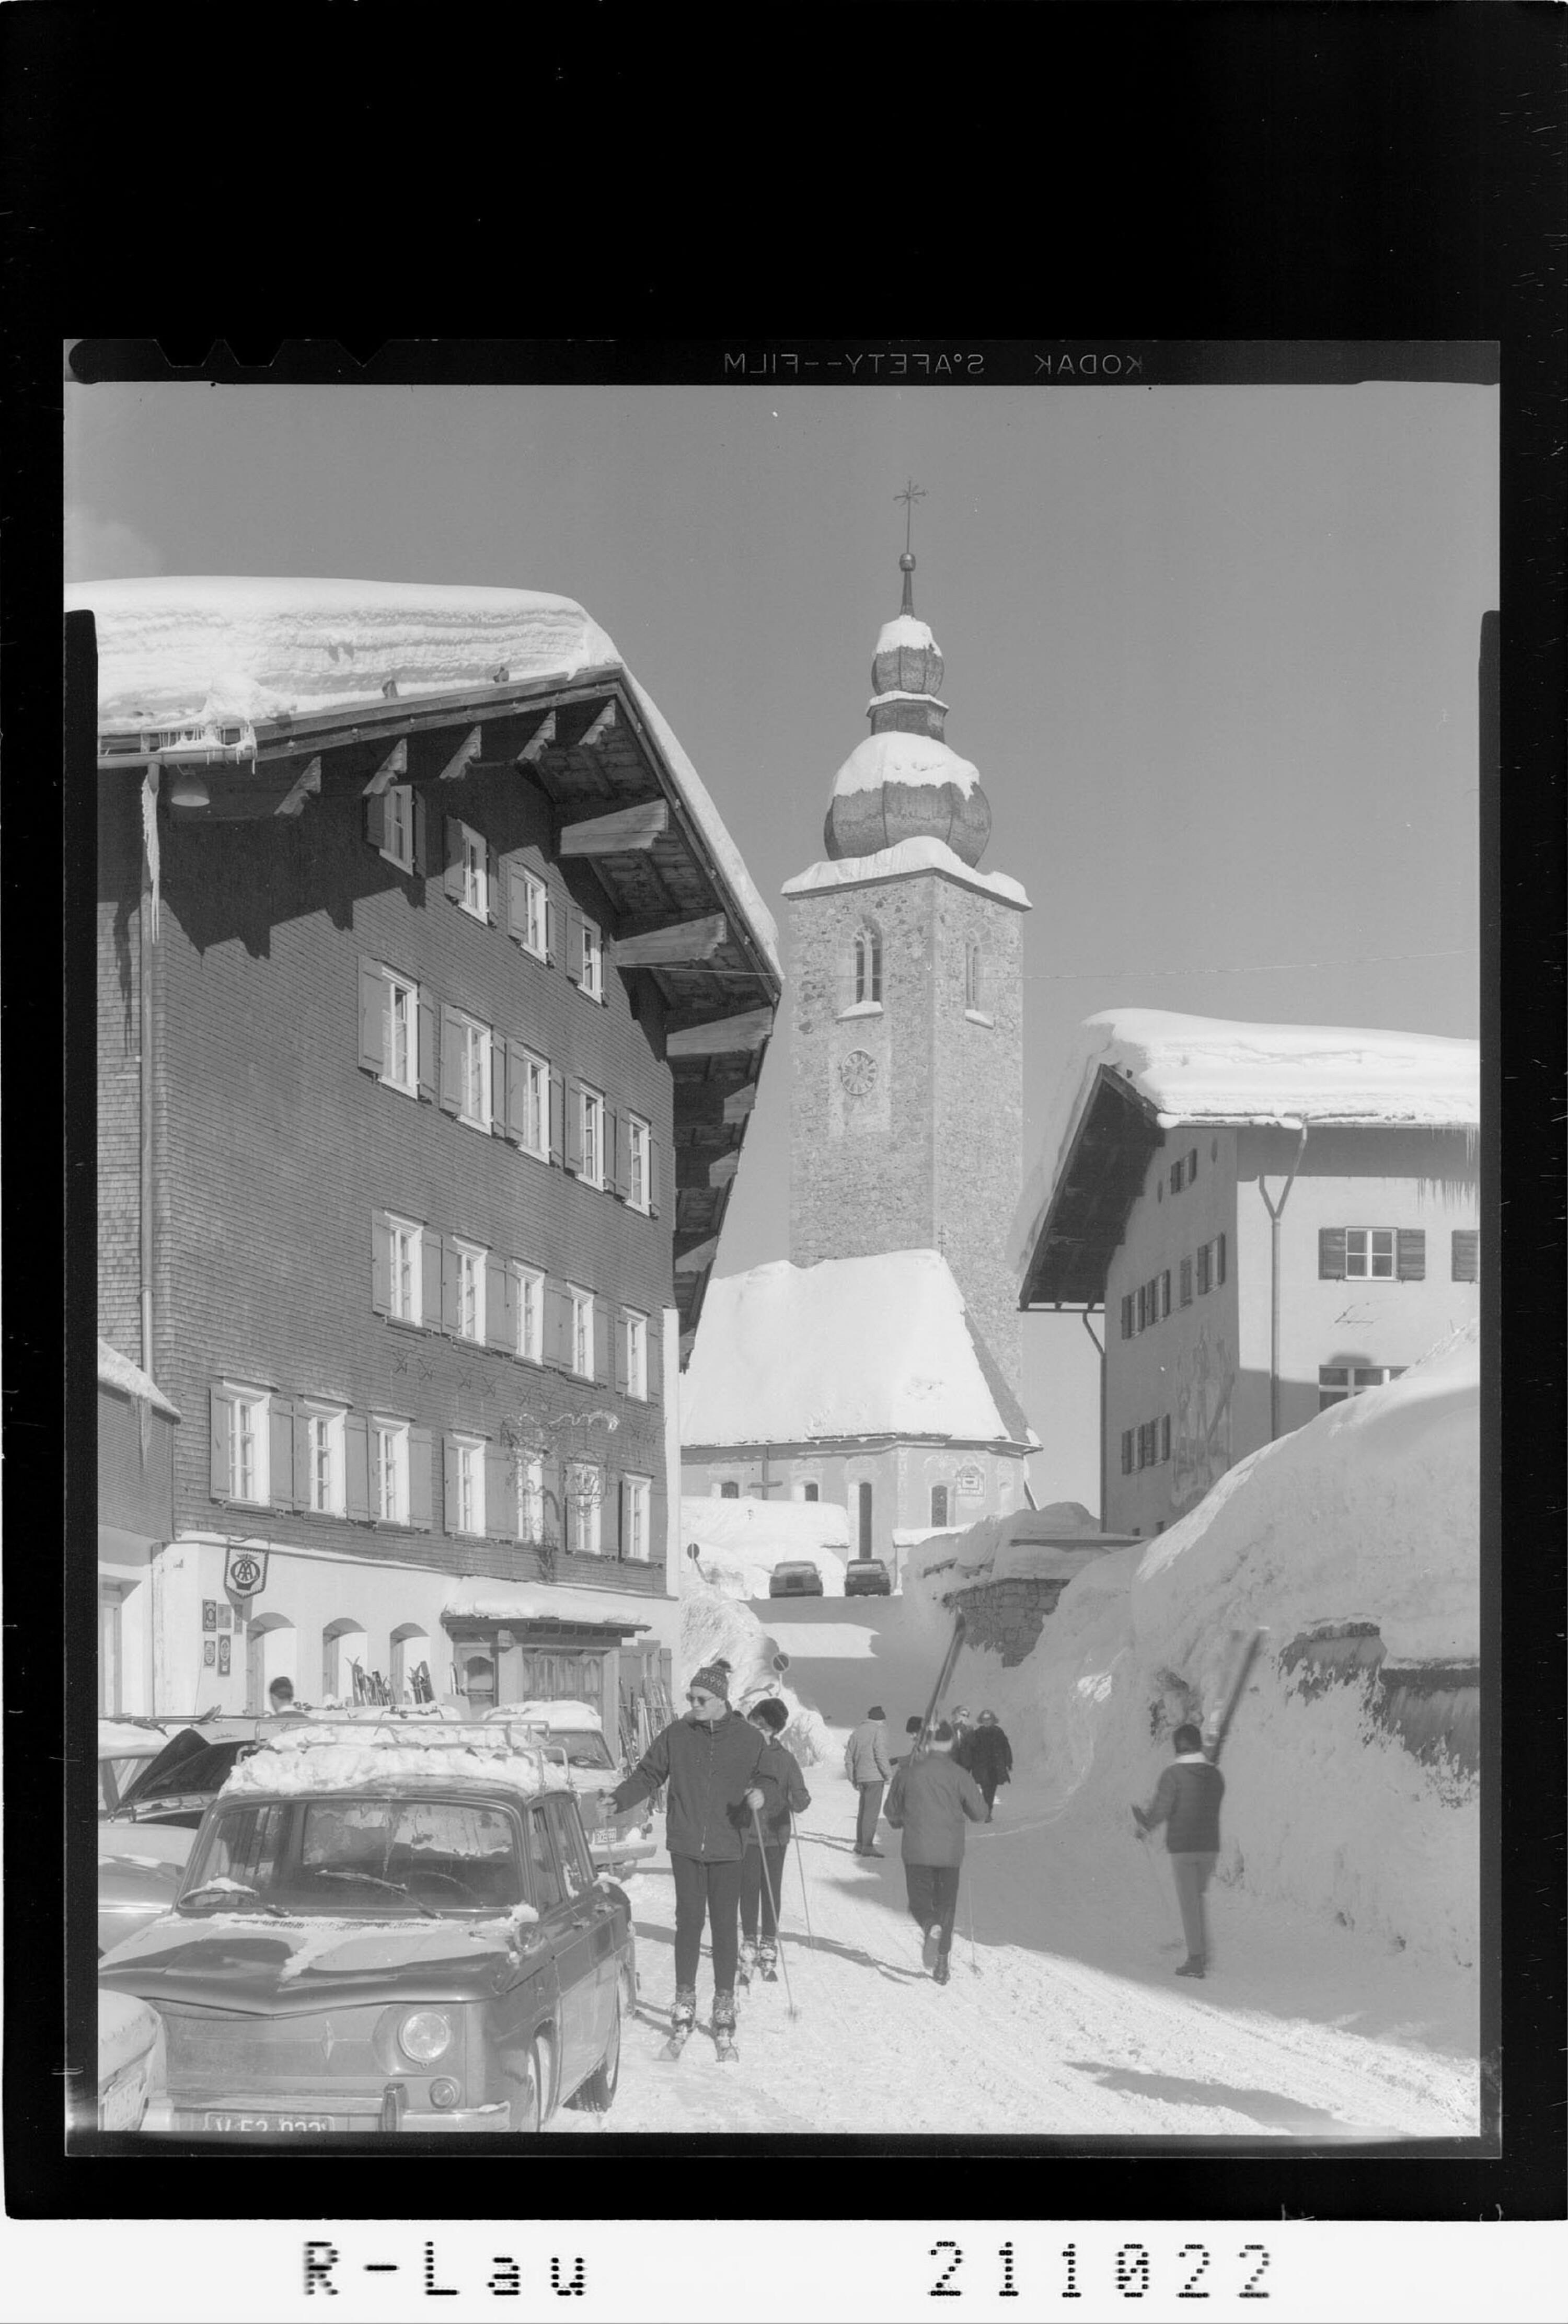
<point x="1213" y="650"/>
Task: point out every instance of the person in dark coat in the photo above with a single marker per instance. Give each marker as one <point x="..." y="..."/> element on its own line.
<point x="988" y="1756"/>
<point x="711" y="1761"/>
<point x="1187" y="1800"/>
<point x="769" y="1717"/>
<point x="930" y="1798"/>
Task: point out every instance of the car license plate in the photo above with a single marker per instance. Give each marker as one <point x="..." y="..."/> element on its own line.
<point x="261" y="2125"/>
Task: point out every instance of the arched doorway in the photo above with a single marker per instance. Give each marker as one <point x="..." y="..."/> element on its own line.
<point x="270" y="1654"/>
<point x="411" y="1648"/>
<point x="342" y="1644"/>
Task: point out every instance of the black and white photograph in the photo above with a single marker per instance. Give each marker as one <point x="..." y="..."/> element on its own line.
<point x="790" y="1251"/>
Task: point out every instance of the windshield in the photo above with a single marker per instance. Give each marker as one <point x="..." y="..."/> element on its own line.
<point x="583" y="1746"/>
<point x="345" y="1856"/>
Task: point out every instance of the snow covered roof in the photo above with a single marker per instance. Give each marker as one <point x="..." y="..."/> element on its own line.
<point x="117" y="1371"/>
<point x="897" y="758"/>
<point x="1135" y="1073"/>
<point x="272" y="649"/>
<point x="475" y="1596"/>
<point x="895" y="862"/>
<point x="905" y="629"/>
<point x="879" y="1346"/>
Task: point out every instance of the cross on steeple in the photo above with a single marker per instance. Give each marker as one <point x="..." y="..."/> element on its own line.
<point x="911" y="493"/>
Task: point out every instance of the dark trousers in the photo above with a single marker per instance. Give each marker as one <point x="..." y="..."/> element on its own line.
<point x="987" y="1790"/>
<point x="871" y="1808"/>
<point x="710" y="1892"/>
<point x="754" y="1889"/>
<point x="934" y="1896"/>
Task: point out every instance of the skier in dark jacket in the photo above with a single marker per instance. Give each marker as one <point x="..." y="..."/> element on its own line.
<point x="987" y="1754"/>
<point x="1187" y="1800"/>
<point x="762" y="1868"/>
<point x="711" y="1761"/>
<point x="930" y="1798"/>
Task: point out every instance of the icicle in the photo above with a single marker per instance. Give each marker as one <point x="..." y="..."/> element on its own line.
<point x="150" y="840"/>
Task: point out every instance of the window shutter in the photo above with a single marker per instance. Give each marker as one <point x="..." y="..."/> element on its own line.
<point x="655" y="1347"/>
<point x="379" y="1263"/>
<point x="1331" y="1254"/>
<point x="497" y="1085"/>
<point x="1465" y="1259"/>
<point x="658" y="1522"/>
<point x="372" y="1002"/>
<point x="449" y="1483"/>
<point x="375" y="819"/>
<point x="451" y="1061"/>
<point x="1164" y="1293"/>
<point x="1185" y="1280"/>
<point x="492" y="885"/>
<point x="574" y="1109"/>
<point x="500" y="1495"/>
<point x="601" y="1343"/>
<point x="1202" y="1266"/>
<point x="421" y="835"/>
<point x="500" y="1306"/>
<point x="551" y="931"/>
<point x="1219" y="1258"/>
<point x="557" y="1327"/>
<point x="617" y="1154"/>
<point x="652" y="1177"/>
<point x="356" y="1465"/>
<point x="302" y="1459"/>
<point x="421" y="1465"/>
<point x="280" y="1452"/>
<point x="1126" y="1452"/>
<point x="222" y="1432"/>
<point x="557" y="1123"/>
<point x="1410" y="1254"/>
<point x="454" y="859"/>
<point x="516" y="900"/>
<point x="623" y="1353"/>
<point x="429" y="1060"/>
<point x="430" y="1261"/>
<point x="573" y="945"/>
<point x="1127" y="1315"/>
<point x="610" y="1517"/>
<point x="449" y="1289"/>
<point x="1164" y="1438"/>
<point x="515" y="1092"/>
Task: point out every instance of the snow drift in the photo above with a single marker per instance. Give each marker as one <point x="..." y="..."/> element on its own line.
<point x="716" y="1628"/>
<point x="741" y="1542"/>
<point x="1369" y="1515"/>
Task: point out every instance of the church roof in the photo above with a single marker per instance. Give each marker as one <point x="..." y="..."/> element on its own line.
<point x="879" y="1346"/>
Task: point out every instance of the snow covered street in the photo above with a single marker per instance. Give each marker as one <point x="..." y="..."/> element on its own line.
<point x="1064" y="2018"/>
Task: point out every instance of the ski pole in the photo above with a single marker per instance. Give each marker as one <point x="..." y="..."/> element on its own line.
<point x="969" y="1902"/>
<point x="773" y="1908"/>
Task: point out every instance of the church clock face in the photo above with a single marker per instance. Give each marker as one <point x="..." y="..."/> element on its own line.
<point x="858" y="1071"/>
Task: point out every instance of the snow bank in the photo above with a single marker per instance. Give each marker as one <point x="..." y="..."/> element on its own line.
<point x="717" y="1628"/>
<point x="1368" y="1514"/>
<point x="851" y="1347"/>
<point x="314" y="1760"/>
<point x="925" y="855"/>
<point x="216" y="645"/>
<point x="919" y="761"/>
<point x="741" y="1542"/>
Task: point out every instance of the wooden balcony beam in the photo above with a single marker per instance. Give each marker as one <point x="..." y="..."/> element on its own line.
<point x="629" y="831"/>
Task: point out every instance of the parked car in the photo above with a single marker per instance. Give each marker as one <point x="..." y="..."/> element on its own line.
<point x="187" y="1773"/>
<point x="125" y="1748"/>
<point x="575" y="1732"/>
<point x="130" y="2051"/>
<point x="386" y="1934"/>
<point x="867" y="1577"/>
<point x="796" y="1578"/>
<point x="140" y="1868"/>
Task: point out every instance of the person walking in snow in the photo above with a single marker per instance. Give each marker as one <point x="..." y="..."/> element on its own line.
<point x="1187" y="1800"/>
<point x="711" y="1761"/>
<point x="930" y="1798"/>
<point x="988" y="1756"/>
<point x="763" y="1867"/>
<point x="865" y="1762"/>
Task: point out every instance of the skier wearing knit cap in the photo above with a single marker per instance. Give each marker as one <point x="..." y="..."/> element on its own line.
<point x="710" y="1759"/>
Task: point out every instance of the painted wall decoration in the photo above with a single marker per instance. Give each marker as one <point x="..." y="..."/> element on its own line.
<point x="1201" y="1453"/>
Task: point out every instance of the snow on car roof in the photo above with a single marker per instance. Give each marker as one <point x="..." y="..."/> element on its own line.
<point x="318" y="1760"/>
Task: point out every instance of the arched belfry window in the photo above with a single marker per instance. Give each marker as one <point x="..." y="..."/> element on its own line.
<point x="868" y="966"/>
<point x="973" y="976"/>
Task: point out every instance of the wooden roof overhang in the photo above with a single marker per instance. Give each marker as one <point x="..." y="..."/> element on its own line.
<point x="673" y="915"/>
<point x="1095" y="1189"/>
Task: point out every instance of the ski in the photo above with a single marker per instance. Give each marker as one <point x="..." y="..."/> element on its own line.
<point x="1242" y="1653"/>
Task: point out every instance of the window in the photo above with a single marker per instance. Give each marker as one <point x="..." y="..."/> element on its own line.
<point x="467" y="1321"/>
<point x="809" y="1491"/>
<point x="593" y="976"/>
<point x="1165" y="1437"/>
<point x="1336" y="1382"/>
<point x="1178" y="1175"/>
<point x="585" y="1481"/>
<point x="1164" y="1293"/>
<point x="938" y="1505"/>
<point x="864" y="1495"/>
<point x="544" y="1882"/>
<point x="388" y="1471"/>
<point x="321" y="1428"/>
<point x="241" y="1425"/>
<point x="530" y="1314"/>
<point x="1464" y="1261"/>
<point x="590" y="1161"/>
<point x="388" y="1027"/>
<point x="1211" y="1264"/>
<point x="582" y="1330"/>
<point x="1127" y="1452"/>
<point x="637" y="1521"/>
<point x="1370" y="1251"/>
<point x="730" y="1491"/>
<point x="533" y="915"/>
<point x="531" y="1496"/>
<point x="1372" y="1254"/>
<point x="394" y="823"/>
<point x="465" y="1484"/>
<point x="527" y="1100"/>
<point x="471" y="880"/>
<point x="1185" y="1281"/>
<point x="639" y="1176"/>
<point x="1154" y="1299"/>
<point x="1142" y="1297"/>
<point x="1127" y="1316"/>
<point x="1192" y="1173"/>
<point x="405" y="1271"/>
<point x="469" y="1081"/>
<point x="868" y="968"/>
<point x="973" y="978"/>
<point x="634" y="1353"/>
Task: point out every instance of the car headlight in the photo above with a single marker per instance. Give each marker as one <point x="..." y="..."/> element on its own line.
<point x="425" y="2036"/>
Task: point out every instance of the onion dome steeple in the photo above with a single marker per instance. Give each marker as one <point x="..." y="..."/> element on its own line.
<point x="903" y="782"/>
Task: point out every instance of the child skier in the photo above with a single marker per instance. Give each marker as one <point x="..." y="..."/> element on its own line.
<point x="763" y="1867"/>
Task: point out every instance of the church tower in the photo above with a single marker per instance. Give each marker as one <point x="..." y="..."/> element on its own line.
<point x="907" y="1034"/>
